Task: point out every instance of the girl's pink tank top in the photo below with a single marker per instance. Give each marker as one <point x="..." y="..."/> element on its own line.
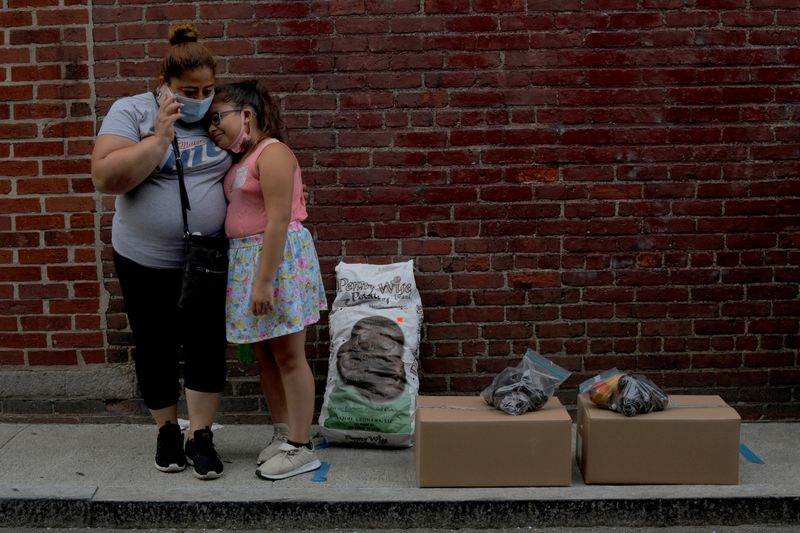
<point x="246" y="212"/>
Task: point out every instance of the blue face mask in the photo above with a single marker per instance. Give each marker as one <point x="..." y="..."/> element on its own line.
<point x="194" y="110"/>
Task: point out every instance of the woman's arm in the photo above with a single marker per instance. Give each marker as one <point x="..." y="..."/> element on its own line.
<point x="276" y="166"/>
<point x="120" y="164"/>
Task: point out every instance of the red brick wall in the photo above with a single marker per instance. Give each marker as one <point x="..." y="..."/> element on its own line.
<point x="613" y="182"/>
<point x="48" y="218"/>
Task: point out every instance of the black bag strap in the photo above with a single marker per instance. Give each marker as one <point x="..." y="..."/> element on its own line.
<point x="181" y="182"/>
<point x="182" y="185"/>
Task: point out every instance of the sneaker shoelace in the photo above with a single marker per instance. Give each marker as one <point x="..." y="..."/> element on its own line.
<point x="292" y="452"/>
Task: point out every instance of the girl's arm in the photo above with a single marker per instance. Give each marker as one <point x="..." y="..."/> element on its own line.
<point x="276" y="166"/>
<point x="120" y="164"/>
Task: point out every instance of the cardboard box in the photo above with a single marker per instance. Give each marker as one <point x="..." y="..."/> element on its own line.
<point x="694" y="442"/>
<point x="463" y="442"/>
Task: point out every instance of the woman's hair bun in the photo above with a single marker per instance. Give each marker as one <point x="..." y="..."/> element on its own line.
<point x="183" y="33"/>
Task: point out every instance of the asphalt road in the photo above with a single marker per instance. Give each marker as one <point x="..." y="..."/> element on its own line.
<point x="759" y="528"/>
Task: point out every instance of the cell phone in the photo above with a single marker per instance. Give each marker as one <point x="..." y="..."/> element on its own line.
<point x="164" y="89"/>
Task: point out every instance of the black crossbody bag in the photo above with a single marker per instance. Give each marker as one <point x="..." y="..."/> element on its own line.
<point x="205" y="270"/>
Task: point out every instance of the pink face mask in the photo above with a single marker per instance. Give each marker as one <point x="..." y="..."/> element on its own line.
<point x="237" y="146"/>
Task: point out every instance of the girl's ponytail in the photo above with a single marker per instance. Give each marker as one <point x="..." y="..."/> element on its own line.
<point x="270" y="120"/>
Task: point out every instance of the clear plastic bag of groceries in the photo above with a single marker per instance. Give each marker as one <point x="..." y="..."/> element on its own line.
<point x="602" y="387"/>
<point x="637" y="395"/>
<point x="525" y="387"/>
<point x="628" y="394"/>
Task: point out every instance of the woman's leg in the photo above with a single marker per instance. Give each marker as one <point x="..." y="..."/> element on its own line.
<point x="205" y="366"/>
<point x="202" y="407"/>
<point x="200" y="450"/>
<point x="149" y="295"/>
<point x="271" y="383"/>
<point x="167" y="414"/>
<point x="205" y="372"/>
<point x="298" y="383"/>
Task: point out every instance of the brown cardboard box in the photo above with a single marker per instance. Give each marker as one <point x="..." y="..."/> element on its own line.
<point x="463" y="442"/>
<point x="694" y="442"/>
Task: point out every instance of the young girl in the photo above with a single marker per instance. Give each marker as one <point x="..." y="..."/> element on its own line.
<point x="274" y="283"/>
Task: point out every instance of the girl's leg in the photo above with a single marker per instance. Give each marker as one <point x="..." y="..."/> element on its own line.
<point x="298" y="383"/>
<point x="272" y="387"/>
<point x="271" y="383"/>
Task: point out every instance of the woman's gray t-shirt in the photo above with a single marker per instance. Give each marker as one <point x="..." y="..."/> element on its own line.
<point x="147" y="225"/>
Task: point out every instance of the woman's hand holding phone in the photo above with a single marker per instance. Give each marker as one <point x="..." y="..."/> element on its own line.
<point x="169" y="110"/>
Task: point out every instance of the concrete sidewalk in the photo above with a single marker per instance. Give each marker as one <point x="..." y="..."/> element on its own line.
<point x="103" y="476"/>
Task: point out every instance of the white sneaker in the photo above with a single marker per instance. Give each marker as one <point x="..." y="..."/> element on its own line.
<point x="289" y="462"/>
<point x="279" y="436"/>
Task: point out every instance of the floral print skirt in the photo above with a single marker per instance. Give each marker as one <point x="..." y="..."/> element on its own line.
<point x="299" y="294"/>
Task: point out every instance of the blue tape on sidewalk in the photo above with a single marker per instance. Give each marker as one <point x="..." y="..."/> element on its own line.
<point x="319" y="441"/>
<point x="321" y="472"/>
<point x="748" y="454"/>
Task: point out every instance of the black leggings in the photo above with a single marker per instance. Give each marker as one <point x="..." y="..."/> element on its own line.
<point x="164" y="334"/>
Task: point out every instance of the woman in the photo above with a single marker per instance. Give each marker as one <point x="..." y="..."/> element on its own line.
<point x="133" y="158"/>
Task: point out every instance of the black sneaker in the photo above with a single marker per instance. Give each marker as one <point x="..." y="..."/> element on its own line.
<point x="200" y="453"/>
<point x="169" y="449"/>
